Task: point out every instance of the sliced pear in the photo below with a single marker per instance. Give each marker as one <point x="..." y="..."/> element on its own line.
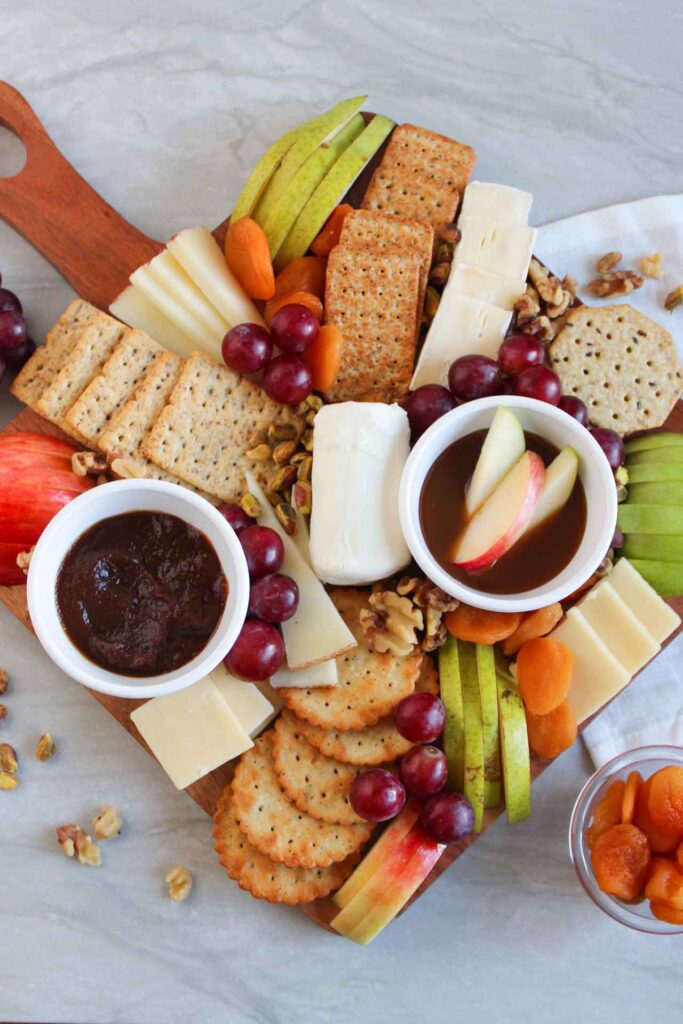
<point x="644" y="458"/>
<point x="652" y="546"/>
<point x="663" y="439"/>
<point x="474" y="732"/>
<point x="665" y="519"/>
<point x="503" y="445"/>
<point x="263" y="172"/>
<point x="322" y="129"/>
<point x="332" y="189"/>
<point x="514" y="746"/>
<point x="560" y="477"/>
<point x="486" y="670"/>
<point x="454" y="729"/>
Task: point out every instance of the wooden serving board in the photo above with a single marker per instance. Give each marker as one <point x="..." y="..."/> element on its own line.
<point x="59" y="213"/>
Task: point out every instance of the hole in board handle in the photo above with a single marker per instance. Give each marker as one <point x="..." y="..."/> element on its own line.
<point x="12" y="153"/>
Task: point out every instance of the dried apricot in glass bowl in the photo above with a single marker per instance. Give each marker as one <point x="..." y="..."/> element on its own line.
<point x="600" y="807"/>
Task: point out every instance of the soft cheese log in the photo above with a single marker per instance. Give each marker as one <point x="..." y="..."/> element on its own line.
<point x="502" y="203"/>
<point x="360" y="451"/>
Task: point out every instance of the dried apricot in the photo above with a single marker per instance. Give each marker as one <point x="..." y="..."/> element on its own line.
<point x="248" y="257"/>
<point x="665" y="882"/>
<point x="660" y="842"/>
<point x="628" y="806"/>
<point x="538" y="623"/>
<point x="479" y="626"/>
<point x="620" y="859"/>
<point x="544" y="672"/>
<point x="665" y="912"/>
<point x="665" y="801"/>
<point x="332" y="229"/>
<point x="550" y="734"/>
<point x="607" y="813"/>
<point x="679" y="855"/>
<point x="304" y="274"/>
<point x="307" y="299"/>
<point x="324" y="357"/>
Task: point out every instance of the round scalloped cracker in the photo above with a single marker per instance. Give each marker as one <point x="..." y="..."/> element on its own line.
<point x="370" y="684"/>
<point x="378" y="744"/>
<point x="621" y="363"/>
<point x="317" y="784"/>
<point x="276" y="827"/>
<point x="261" y="876"/>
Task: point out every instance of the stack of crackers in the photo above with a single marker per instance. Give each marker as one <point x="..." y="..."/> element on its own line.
<point x="151" y="413"/>
<point x="377" y="275"/>
<point x="285" y="829"/>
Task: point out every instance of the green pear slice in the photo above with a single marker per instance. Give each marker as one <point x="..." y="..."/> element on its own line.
<point x="666" y="519"/>
<point x="560" y="477"/>
<point x="659" y="493"/>
<point x="486" y="670"/>
<point x="332" y="189"/>
<point x="652" y="546"/>
<point x="665" y="577"/>
<point x="285" y="211"/>
<point x="514" y="747"/>
<point x="322" y="129"/>
<point x="503" y="446"/>
<point x="673" y="454"/>
<point x="474" y="731"/>
<point x="654" y="472"/>
<point x="663" y="439"/>
<point x="262" y="173"/>
<point x="454" y="728"/>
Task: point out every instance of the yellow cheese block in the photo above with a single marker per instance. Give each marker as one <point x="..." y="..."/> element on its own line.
<point x="655" y="614"/>
<point x="135" y="309"/>
<point x="614" y="622"/>
<point x="252" y="709"/>
<point x="597" y="675"/>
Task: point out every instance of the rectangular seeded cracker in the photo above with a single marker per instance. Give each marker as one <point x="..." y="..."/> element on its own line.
<point x="91" y="414"/>
<point x="46" y="361"/>
<point x="422" y="175"/>
<point x="212" y="417"/>
<point x="372" y="298"/>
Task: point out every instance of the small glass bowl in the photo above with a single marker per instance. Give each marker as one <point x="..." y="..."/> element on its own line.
<point x="646" y="760"/>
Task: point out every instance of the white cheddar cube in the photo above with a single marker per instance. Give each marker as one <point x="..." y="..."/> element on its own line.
<point x="502" y="248"/>
<point x="462" y="326"/>
<point x="324" y="674"/>
<point x="597" y="676"/>
<point x="502" y="203"/>
<point x="136" y="310"/>
<point x="656" y="615"/>
<point x="252" y="710"/>
<point x="191" y="732"/>
<point x="171" y="276"/>
<point x="615" y="623"/>
<point x="485" y="285"/>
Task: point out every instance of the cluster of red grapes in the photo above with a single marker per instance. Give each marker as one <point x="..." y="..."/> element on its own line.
<point x="379" y="794"/>
<point x="248" y="348"/>
<point x="15" y="344"/>
<point x="273" y="598"/>
<point x="519" y="370"/>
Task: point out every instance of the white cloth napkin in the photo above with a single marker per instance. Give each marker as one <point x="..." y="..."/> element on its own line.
<point x="650" y="710"/>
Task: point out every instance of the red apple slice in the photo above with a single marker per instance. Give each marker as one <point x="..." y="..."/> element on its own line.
<point x="503" y="445"/>
<point x="560" y="477"/>
<point x="502" y="518"/>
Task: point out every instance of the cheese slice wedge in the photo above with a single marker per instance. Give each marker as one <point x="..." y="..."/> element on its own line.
<point x="614" y="622"/>
<point x="462" y="326"/>
<point x="316" y="632"/>
<point x="485" y="285"/>
<point x="199" y="254"/>
<point x="656" y="615"/>
<point x="205" y="339"/>
<point x="135" y="309"/>
<point x="597" y="676"/>
<point x="502" y="203"/>
<point x="324" y="674"/>
<point x="502" y="248"/>
<point x="252" y="710"/>
<point x="171" y="276"/>
<point x="192" y="732"/>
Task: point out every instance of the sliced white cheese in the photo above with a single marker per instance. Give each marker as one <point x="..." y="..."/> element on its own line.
<point x="615" y="623"/>
<point x="272" y="696"/>
<point x="597" y="676"/>
<point x="252" y="710"/>
<point x="200" y="256"/>
<point x="503" y="248"/>
<point x="191" y="733"/>
<point x="208" y="341"/>
<point x="655" y="614"/>
<point x="302" y="537"/>
<point x="135" y="309"/>
<point x="462" y="326"/>
<point x="502" y="203"/>
<point x="360" y="451"/>
<point x="485" y="285"/>
<point x="171" y="276"/>
<point x="324" y="674"/>
<point x="316" y="632"/>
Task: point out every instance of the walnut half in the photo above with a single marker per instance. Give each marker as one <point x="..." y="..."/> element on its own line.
<point x="179" y="881"/>
<point x="390" y="623"/>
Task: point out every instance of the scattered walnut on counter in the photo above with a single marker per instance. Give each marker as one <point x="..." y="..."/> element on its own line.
<point x="651" y="266"/>
<point x="75" y="842"/>
<point x="610" y="261"/>
<point x="46" y="747"/>
<point x="179" y="881"/>
<point x="618" y="282"/>
<point x="3" y="711"/>
<point x="107" y="824"/>
<point x="4" y="681"/>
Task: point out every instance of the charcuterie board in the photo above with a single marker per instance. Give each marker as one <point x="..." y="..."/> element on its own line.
<point x="56" y="210"/>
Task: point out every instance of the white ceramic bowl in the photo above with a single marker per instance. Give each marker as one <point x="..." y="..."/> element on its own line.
<point x="114" y="499"/>
<point x="559" y="429"/>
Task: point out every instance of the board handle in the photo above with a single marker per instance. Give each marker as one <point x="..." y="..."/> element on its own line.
<point x="58" y="212"/>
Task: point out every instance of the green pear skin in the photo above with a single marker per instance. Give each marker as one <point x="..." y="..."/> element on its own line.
<point x="655" y="455"/>
<point x="514" y="747"/>
<point x="664" y="519"/>
<point x="261" y="175"/>
<point x="486" y="670"/>
<point x="663" y="439"/>
<point x="665" y="577"/>
<point x="454" y="728"/>
<point x="659" y="493"/>
<point x="474" y="732"/>
<point x="655" y="472"/>
<point x="653" y="546"/>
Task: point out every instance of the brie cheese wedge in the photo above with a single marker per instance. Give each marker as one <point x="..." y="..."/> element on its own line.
<point x="485" y="285"/>
<point x="502" y="248"/>
<point x="502" y="203"/>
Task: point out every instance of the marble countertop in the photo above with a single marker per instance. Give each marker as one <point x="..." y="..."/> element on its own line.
<point x="163" y="107"/>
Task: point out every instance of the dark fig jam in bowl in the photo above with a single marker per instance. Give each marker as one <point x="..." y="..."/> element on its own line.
<point x="547" y="563"/>
<point x="138" y="588"/>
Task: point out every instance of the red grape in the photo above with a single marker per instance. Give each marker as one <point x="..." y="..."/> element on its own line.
<point x="3" y="367"/>
<point x="618" y="539"/>
<point x="541" y="383"/>
<point x="518" y="352"/>
<point x="263" y="550"/>
<point x="611" y="444"/>
<point x="288" y="379"/>
<point x="426" y="405"/>
<point x="294" y="328"/>
<point x="9" y="301"/>
<point x="247" y="348"/>
<point x="257" y="653"/>
<point x="576" y="408"/>
<point x="424" y="771"/>
<point x="507" y="386"/>
<point x="13" y="332"/>
<point x="448" y="817"/>
<point x="236" y="516"/>
<point x="16" y="357"/>
<point x="474" y="377"/>
<point x="274" y="598"/>
<point x="377" y="795"/>
<point x="420" y="717"/>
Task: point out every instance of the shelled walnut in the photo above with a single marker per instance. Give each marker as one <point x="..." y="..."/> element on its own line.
<point x="77" y="843"/>
<point x="179" y="881"/>
<point x="397" y="613"/>
<point x="540" y="310"/>
<point x="107" y="823"/>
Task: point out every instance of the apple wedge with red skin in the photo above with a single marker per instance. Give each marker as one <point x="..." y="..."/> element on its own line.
<point x="503" y="517"/>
